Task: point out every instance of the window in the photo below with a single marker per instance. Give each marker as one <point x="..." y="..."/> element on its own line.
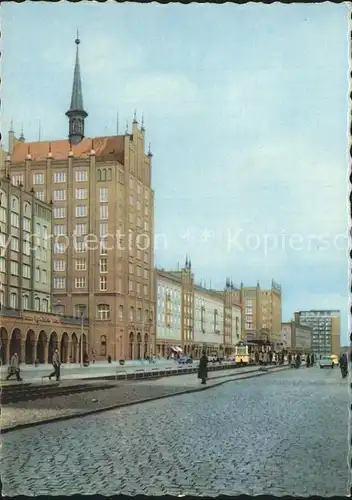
<point x="103" y="229"/>
<point x="37" y="274"/>
<point x="81" y="176"/>
<point x="131" y="313"/>
<point x="59" y="194"/>
<point x="15" y="220"/>
<point x="45" y="305"/>
<point x="59" y="177"/>
<point x="103" y="194"/>
<point x="80" y="282"/>
<point x="139" y="221"/>
<point x="81" y="247"/>
<point x="103" y="311"/>
<point x="59" y="265"/>
<point x="81" y="194"/>
<point x="15" y="244"/>
<point x="103" y="247"/>
<point x="40" y="195"/>
<point x="81" y="229"/>
<point x="104" y="212"/>
<point x="138" y="288"/>
<point x="145" y="287"/>
<point x="103" y="265"/>
<point x="103" y="345"/>
<point x="13" y="300"/>
<point x="146" y="274"/>
<point x="44" y="276"/>
<point x="121" y="312"/>
<point x="80" y="265"/>
<point x="146" y="225"/>
<point x="131" y="200"/>
<point x="146" y="194"/>
<point x="26" y="224"/>
<point x="59" y="283"/>
<point x="103" y="283"/>
<point x="14" y="268"/>
<point x="130" y="268"/>
<point x="59" y="248"/>
<point x="17" y="179"/>
<point x="38" y="178"/>
<point x="25" y="302"/>
<point x="59" y="212"/>
<point x="26" y="247"/>
<point x="130" y="286"/>
<point x="37" y="304"/>
<point x="60" y="229"/>
<point x="138" y="205"/>
<point x="81" y="211"/>
<point x="139" y="271"/>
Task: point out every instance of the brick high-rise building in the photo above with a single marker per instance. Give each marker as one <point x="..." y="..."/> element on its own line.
<point x="103" y="227"/>
<point x="261" y="312"/>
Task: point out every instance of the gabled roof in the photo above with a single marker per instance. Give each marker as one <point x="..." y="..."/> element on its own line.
<point x="106" y="148"/>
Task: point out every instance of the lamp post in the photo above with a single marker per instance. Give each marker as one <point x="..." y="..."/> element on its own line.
<point x="82" y="309"/>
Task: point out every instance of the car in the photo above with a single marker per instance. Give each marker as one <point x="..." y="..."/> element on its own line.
<point x="185" y="360"/>
<point x="326" y="362"/>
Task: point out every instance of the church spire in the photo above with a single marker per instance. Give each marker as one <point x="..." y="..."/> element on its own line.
<point x="76" y="113"/>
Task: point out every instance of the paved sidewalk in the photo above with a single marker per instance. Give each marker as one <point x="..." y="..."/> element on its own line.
<point x="120" y="394"/>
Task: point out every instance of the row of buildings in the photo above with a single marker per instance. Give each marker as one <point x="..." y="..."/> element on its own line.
<point x="77" y="257"/>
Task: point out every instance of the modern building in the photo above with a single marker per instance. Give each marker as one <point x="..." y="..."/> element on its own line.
<point x="191" y="317"/>
<point x="261" y="312"/>
<point x="103" y="227"/>
<point x="325" y="326"/>
<point x="296" y="336"/>
<point x="27" y="325"/>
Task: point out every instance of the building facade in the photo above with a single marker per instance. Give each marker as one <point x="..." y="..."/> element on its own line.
<point x="325" y="326"/>
<point x="169" y="316"/>
<point x="261" y="312"/>
<point x="25" y="249"/>
<point x="286" y="334"/>
<point x="191" y="317"/>
<point x="103" y="227"/>
<point x="27" y="324"/>
<point x="208" y="321"/>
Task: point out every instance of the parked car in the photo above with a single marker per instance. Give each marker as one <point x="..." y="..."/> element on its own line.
<point x="185" y="360"/>
<point x="326" y="362"/>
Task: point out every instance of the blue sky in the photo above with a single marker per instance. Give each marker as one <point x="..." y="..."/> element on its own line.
<point x="246" y="110"/>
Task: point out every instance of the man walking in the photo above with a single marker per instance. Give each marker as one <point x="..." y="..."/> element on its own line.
<point x="56" y="364"/>
<point x="14" y="368"/>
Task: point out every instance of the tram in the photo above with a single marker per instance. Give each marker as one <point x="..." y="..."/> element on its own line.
<point x="242" y="354"/>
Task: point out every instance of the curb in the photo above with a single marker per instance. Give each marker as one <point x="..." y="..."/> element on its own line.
<point x="60" y="418"/>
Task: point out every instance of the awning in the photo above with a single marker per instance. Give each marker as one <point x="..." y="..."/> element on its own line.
<point x="176" y="349"/>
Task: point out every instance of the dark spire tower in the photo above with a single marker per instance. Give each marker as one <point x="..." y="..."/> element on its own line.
<point x="76" y="113"/>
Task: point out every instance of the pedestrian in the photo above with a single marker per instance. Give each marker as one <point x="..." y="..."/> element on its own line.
<point x="308" y="361"/>
<point x="14" y="368"/>
<point x="257" y="357"/>
<point x="312" y="359"/>
<point x="289" y="358"/>
<point x="203" y="368"/>
<point x="93" y="355"/>
<point x="56" y="364"/>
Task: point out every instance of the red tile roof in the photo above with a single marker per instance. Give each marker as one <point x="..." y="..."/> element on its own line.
<point x="106" y="148"/>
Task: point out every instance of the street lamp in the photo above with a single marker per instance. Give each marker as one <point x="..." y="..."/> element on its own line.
<point x="82" y="309"/>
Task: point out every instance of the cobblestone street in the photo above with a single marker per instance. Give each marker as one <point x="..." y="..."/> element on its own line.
<point x="283" y="434"/>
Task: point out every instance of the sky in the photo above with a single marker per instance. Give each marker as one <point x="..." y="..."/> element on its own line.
<point x="246" y="110"/>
